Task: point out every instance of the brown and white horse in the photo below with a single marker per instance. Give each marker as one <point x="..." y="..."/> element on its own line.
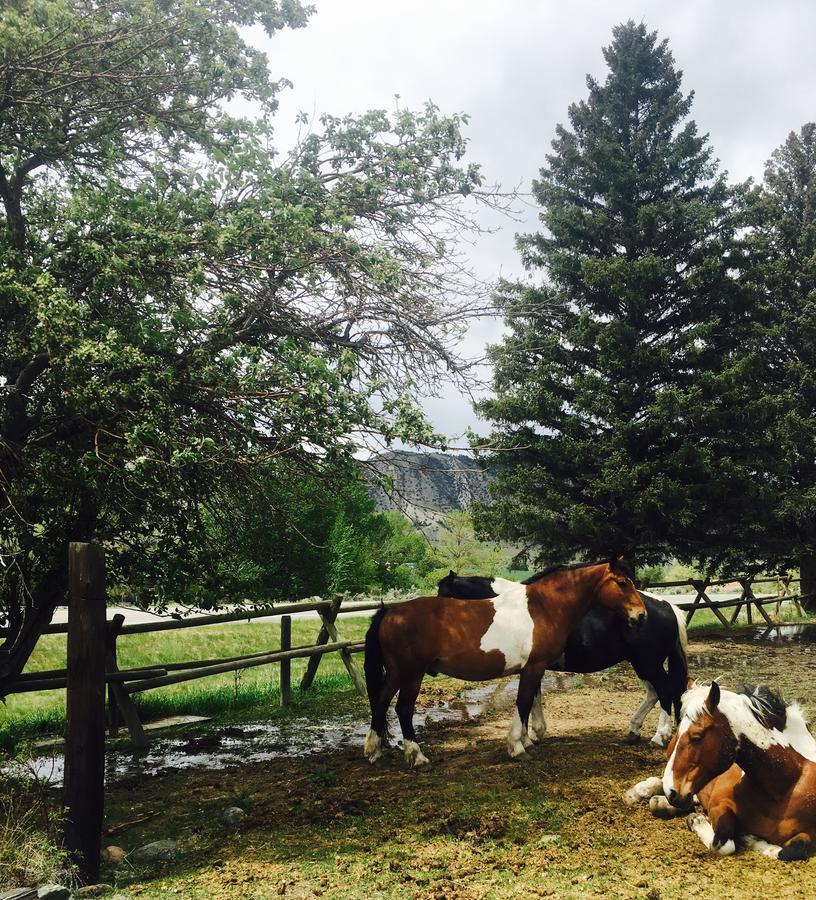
<point x="751" y="762"/>
<point x="523" y="629"/>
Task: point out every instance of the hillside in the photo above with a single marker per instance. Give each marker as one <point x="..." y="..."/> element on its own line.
<point x="427" y="486"/>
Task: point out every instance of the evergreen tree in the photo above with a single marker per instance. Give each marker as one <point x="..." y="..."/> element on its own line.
<point x="620" y="402"/>
<point x="783" y="244"/>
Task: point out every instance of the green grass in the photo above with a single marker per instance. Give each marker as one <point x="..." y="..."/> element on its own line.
<point x="28" y="716"/>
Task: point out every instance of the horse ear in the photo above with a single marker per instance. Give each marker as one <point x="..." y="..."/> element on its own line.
<point x="713" y="699"/>
<point x="452" y="574"/>
<point x="690" y="683"/>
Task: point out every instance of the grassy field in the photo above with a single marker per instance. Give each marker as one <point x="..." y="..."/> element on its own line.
<point x="27" y="716"/>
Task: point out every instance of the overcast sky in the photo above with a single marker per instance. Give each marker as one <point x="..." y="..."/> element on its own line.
<point x="515" y="66"/>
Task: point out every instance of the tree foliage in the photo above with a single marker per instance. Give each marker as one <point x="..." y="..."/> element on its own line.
<point x="184" y="313"/>
<point x="783" y="255"/>
<point x="619" y="393"/>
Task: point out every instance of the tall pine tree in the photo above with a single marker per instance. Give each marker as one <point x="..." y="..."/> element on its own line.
<point x="783" y="253"/>
<point x="620" y="408"/>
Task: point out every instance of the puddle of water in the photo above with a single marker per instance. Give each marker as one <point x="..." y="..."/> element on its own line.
<point x="801" y="633"/>
<point x="263" y="741"/>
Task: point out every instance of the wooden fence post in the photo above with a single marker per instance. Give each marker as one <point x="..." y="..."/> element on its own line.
<point x="85" y="701"/>
<point x="286" y="664"/>
<point x="322" y="638"/>
<point x="119" y="700"/>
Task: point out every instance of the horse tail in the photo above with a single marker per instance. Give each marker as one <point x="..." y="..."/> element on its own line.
<point x="374" y="662"/>
<point x="678" y="663"/>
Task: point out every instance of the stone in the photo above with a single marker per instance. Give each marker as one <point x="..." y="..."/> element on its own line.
<point x="233" y="816"/>
<point x="53" y="892"/>
<point x="113" y="855"/>
<point x="155" y="851"/>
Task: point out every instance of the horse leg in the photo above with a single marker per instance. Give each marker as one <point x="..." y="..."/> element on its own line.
<point x="639" y="715"/>
<point x="798" y="847"/>
<point x="718" y="833"/>
<point x="517" y="739"/>
<point x="537" y="726"/>
<point x="405" y="712"/>
<point x="372" y="748"/>
<point x="665" y="726"/>
<point x="643" y="790"/>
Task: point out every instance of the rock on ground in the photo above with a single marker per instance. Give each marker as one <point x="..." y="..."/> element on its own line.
<point x="155" y="851"/>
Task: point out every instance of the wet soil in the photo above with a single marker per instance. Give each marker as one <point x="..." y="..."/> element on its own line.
<point x="323" y="822"/>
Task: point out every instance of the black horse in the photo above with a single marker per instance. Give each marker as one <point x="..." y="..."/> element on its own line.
<point x="657" y="651"/>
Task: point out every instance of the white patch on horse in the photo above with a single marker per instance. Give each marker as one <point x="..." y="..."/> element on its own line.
<point x="372" y="748"/>
<point x="662" y="809"/>
<point x="414" y="756"/>
<point x="758" y="845"/>
<point x="699" y="824"/>
<point x="663" y="733"/>
<point x="511" y="631"/>
<point x="643" y="790"/>
<point x="537" y="725"/>
<point x="668" y="773"/>
<point x="516" y="736"/>
<point x="639" y="715"/>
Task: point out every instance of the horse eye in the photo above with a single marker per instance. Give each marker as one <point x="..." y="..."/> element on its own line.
<point x="696" y="739"/>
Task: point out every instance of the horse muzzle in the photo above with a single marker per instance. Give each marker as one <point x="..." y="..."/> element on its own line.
<point x="638" y="620"/>
<point x="684" y="801"/>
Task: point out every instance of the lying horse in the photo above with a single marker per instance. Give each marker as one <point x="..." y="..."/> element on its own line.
<point x="522" y="630"/>
<point x="600" y="640"/>
<point x="751" y="762"/>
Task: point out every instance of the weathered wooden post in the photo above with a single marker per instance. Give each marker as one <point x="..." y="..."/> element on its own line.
<point x="119" y="700"/>
<point x="85" y="739"/>
<point x="286" y="664"/>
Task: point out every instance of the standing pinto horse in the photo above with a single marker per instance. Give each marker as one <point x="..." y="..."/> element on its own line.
<point x="600" y="640"/>
<point x="523" y="630"/>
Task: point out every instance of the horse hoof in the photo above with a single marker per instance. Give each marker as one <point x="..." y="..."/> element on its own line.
<point x="632" y="738"/>
<point x="694" y="820"/>
<point x="658" y="741"/>
<point x="516" y="750"/>
<point x="527" y="741"/>
<point x="414" y="756"/>
<point x="372" y="748"/>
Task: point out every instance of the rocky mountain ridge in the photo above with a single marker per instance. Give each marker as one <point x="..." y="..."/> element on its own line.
<point x="427" y="486"/>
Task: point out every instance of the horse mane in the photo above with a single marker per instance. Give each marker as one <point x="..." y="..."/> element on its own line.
<point x="622" y="565"/>
<point x="767" y="706"/>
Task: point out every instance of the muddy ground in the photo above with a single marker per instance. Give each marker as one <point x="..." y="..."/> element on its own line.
<point x="475" y="824"/>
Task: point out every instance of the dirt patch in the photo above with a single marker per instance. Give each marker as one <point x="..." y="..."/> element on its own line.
<point x="476" y="824"/>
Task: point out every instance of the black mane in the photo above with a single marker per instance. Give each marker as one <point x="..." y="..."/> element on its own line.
<point x="767" y="706"/>
<point x="621" y="565"/>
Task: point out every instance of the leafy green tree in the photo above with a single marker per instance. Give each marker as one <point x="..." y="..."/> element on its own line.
<point x="459" y="548"/>
<point x="181" y="309"/>
<point x="402" y="556"/>
<point x="783" y="253"/>
<point x="619" y="400"/>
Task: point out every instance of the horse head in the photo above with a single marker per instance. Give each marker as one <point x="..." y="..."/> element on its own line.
<point x="703" y="747"/>
<point x="616" y="591"/>
<point x="446" y="585"/>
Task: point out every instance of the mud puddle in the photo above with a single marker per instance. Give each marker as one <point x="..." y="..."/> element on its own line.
<point x="255" y="742"/>
<point x="794" y="633"/>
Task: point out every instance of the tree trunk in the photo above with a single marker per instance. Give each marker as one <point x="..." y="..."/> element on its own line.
<point x="807" y="572"/>
<point x="17" y="647"/>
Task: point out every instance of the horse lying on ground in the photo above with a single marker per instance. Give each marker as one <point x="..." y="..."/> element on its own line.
<point x="520" y="631"/>
<point x="600" y="640"/>
<point x="750" y="760"/>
